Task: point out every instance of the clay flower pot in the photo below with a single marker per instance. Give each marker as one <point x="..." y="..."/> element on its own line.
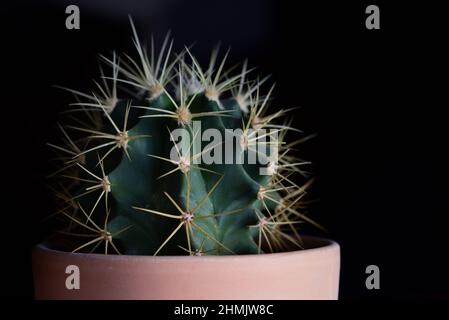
<point x="305" y="274"/>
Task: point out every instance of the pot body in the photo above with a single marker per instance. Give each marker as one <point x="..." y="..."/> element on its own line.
<point x="305" y="274"/>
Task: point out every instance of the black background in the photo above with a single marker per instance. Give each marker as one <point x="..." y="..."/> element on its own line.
<point x="376" y="98"/>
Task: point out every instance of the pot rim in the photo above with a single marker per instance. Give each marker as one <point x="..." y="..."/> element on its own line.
<point x="322" y="245"/>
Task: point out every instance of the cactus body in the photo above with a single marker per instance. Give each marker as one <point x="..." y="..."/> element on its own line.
<point x="129" y="186"/>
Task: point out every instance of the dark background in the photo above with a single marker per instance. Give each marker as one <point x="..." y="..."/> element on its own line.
<point x="375" y="98"/>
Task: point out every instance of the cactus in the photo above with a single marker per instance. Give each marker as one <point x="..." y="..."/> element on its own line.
<point x="127" y="185"/>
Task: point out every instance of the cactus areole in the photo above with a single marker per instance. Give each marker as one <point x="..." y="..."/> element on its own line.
<point x="169" y="157"/>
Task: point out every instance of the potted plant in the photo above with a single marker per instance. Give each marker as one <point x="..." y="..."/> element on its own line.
<point x="177" y="182"/>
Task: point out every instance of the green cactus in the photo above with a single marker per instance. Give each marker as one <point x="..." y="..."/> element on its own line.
<point x="129" y="186"/>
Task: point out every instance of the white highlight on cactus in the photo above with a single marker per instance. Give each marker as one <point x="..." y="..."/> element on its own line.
<point x="272" y="168"/>
<point x="184" y="164"/>
<point x="122" y="139"/>
<point x="261" y="193"/>
<point x="244" y="141"/>
<point x="184" y="115"/>
<point x="187" y="217"/>
<point x="106" y="184"/>
<point x="198" y="253"/>
<point x="107" y="236"/>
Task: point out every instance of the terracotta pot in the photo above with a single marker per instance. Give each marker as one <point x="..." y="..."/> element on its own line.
<point x="304" y="274"/>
